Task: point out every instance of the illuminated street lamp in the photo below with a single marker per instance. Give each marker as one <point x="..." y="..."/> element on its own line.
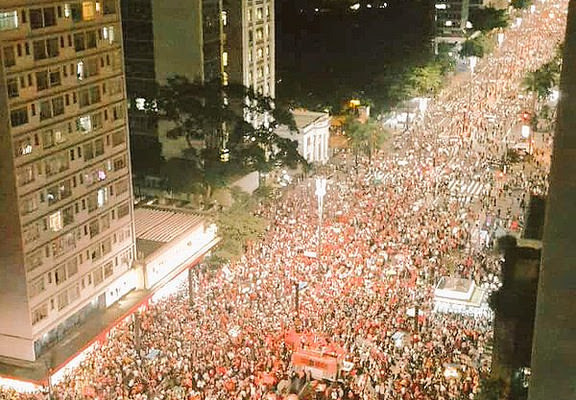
<point x="320" y="193"/>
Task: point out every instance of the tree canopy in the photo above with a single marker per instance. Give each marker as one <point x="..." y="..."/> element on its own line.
<point x="476" y="47"/>
<point x="235" y="127"/>
<point x="520" y="4"/>
<point x="488" y="18"/>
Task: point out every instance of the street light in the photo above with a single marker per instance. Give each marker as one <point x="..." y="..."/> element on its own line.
<point x="320" y="193"/>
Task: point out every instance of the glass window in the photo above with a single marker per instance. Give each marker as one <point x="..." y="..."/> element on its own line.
<point x="91" y="39"/>
<point x="19" y="116"/>
<point x="41" y="80"/>
<point x="36" y="20"/>
<point x="60" y="274"/>
<point x="52" y="47"/>
<point x="98" y="147"/>
<point x="84" y="123"/>
<point x="88" y="150"/>
<point x="109" y="7"/>
<point x="62" y="300"/>
<point x="118" y="138"/>
<point x="9" y="56"/>
<point x="55" y="79"/>
<point x="39" y="313"/>
<point x="58" y="106"/>
<point x="49" y="16"/>
<point x="108" y="270"/>
<point x="8" y="20"/>
<point x="79" y="42"/>
<point x="55" y="221"/>
<point x="88" y="10"/>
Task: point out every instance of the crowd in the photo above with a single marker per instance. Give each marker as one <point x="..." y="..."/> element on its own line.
<point x="391" y="229"/>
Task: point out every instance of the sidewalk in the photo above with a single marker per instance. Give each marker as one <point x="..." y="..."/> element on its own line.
<point x="76" y="340"/>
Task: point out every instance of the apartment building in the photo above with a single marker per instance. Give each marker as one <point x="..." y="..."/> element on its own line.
<point x="66" y="218"/>
<point x="231" y="40"/>
<point x="249" y="52"/>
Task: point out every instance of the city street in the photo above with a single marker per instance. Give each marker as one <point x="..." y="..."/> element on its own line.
<point x="390" y="228"/>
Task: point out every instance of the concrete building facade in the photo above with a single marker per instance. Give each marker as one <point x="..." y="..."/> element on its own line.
<point x="201" y="40"/>
<point x="553" y="348"/>
<point x="66" y="219"/>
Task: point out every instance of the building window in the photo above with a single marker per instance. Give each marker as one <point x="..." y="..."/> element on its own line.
<point x="108" y="34"/>
<point x="123" y="210"/>
<point x="88" y="10"/>
<point x="23" y="147"/>
<point x="29" y="205"/>
<point x="108" y="270"/>
<point x="47" y="48"/>
<point x="72" y="267"/>
<point x="52" y="137"/>
<point x="9" y="56"/>
<point x="41" y="18"/>
<point x="19" y="117"/>
<point x="55" y="221"/>
<point x="8" y="20"/>
<point x="62" y="300"/>
<point x="25" y="175"/>
<point x="40" y="313"/>
<point x="60" y="274"/>
<point x="118" y="137"/>
<point x="56" y="164"/>
<point x="94" y="228"/>
<point x="119" y="163"/>
<point x="98" y="278"/>
<point x="224" y="18"/>
<point x="121" y="187"/>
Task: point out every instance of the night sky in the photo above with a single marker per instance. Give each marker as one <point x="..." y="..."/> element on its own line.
<point x="331" y="54"/>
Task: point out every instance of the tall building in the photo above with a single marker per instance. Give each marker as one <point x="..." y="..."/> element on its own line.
<point x="249" y="51"/>
<point x="66" y="219"/>
<point x="554" y="349"/>
<point x="203" y="40"/>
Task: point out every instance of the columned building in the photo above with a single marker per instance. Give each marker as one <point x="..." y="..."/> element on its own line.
<point x="66" y="219"/>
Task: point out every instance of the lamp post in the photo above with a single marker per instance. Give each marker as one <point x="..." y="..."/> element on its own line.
<point x="320" y="193"/>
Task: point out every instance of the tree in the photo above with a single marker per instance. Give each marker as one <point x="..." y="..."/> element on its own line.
<point x="236" y="125"/>
<point x="520" y="4"/>
<point x="237" y="226"/>
<point x="477" y="47"/>
<point x="426" y="80"/>
<point x="364" y="138"/>
<point x="488" y="18"/>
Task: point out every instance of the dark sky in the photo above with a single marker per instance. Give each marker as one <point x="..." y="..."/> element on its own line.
<point x="335" y="50"/>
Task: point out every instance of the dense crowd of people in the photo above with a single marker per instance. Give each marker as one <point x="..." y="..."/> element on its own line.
<point x="391" y="229"/>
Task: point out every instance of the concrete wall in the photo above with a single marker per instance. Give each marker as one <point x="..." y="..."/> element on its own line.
<point x="177" y="38"/>
<point x="554" y="345"/>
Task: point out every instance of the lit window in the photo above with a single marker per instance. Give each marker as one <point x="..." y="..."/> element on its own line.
<point x="55" y="222"/>
<point x="67" y="11"/>
<point x="108" y="33"/>
<point x="85" y="123"/>
<point x="448" y="23"/>
<point x="80" y="70"/>
<point x="98" y="7"/>
<point x="88" y="10"/>
<point x="8" y="20"/>
<point x="224" y="18"/>
<point x="225" y="58"/>
<point x="140" y="103"/>
<point x="102" y="197"/>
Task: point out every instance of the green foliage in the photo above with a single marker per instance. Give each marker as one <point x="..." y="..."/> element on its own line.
<point x="477" y="47"/>
<point x="237" y="226"/>
<point x="520" y="4"/>
<point x="488" y="18"/>
<point x="215" y="115"/>
<point x="364" y="138"/>
<point x="426" y="80"/>
<point x="541" y="81"/>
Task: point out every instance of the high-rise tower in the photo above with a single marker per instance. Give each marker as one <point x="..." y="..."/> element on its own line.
<point x="66" y="225"/>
